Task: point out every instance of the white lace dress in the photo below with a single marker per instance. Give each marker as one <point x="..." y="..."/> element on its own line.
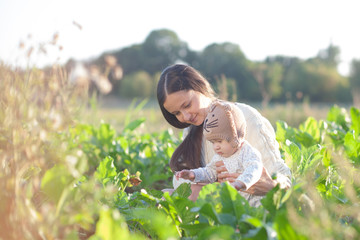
<point x="246" y="161"/>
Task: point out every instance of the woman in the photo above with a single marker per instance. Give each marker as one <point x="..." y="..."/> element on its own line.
<point x="184" y="97"/>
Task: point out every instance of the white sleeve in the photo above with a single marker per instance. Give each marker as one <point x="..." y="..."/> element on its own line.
<point x="208" y="173"/>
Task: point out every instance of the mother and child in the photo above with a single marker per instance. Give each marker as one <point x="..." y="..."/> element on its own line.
<point x="223" y="141"/>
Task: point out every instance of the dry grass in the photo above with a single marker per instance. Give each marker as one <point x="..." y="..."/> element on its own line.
<point x="35" y="106"/>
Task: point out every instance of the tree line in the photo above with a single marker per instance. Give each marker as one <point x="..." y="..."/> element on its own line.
<point x="277" y="78"/>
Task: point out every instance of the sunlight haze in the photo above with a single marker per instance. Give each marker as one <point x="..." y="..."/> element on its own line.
<point x="261" y="28"/>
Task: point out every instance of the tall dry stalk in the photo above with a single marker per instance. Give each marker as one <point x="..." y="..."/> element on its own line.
<point x="35" y="106"/>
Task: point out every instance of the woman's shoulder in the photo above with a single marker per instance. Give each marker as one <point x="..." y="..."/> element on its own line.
<point x="252" y="116"/>
<point x="247" y="110"/>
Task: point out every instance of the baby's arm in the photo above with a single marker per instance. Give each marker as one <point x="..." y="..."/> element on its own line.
<point x="252" y="168"/>
<point x="208" y="173"/>
<point x="185" y="174"/>
<point x="205" y="174"/>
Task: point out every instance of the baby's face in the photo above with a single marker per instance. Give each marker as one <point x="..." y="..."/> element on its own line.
<point x="223" y="147"/>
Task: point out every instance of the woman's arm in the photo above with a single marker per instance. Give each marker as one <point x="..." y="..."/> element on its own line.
<point x="261" y="135"/>
<point x="260" y="188"/>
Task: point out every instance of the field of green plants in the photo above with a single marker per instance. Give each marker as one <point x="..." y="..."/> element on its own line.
<point x="65" y="178"/>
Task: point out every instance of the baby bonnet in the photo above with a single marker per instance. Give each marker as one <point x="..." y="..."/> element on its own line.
<point x="225" y="121"/>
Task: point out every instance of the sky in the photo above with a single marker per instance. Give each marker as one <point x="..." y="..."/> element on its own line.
<point x="261" y="28"/>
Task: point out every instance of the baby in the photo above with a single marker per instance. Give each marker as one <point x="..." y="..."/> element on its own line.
<point x="225" y="128"/>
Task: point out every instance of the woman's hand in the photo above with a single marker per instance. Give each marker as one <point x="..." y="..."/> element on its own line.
<point x="223" y="174"/>
<point x="263" y="186"/>
<point x="260" y="188"/>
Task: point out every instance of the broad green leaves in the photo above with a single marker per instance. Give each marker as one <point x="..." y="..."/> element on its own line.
<point x="112" y="226"/>
<point x="147" y="153"/>
<point x="323" y="156"/>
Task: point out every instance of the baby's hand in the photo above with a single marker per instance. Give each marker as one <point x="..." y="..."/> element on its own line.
<point x="186" y="174"/>
<point x="238" y="185"/>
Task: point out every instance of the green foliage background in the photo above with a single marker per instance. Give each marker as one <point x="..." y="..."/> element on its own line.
<point x="277" y="78"/>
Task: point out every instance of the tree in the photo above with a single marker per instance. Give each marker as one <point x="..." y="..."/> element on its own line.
<point x="130" y="58"/>
<point x="162" y="48"/>
<point x="226" y="88"/>
<point x="269" y="77"/>
<point x="314" y="79"/>
<point x="330" y="56"/>
<point x="227" y="59"/>
<point x="355" y="81"/>
<point x="137" y="84"/>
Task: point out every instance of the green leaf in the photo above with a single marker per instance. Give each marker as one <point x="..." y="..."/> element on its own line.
<point x="227" y="219"/>
<point x="184" y="190"/>
<point x="338" y="115"/>
<point x="208" y="210"/>
<point x="257" y="234"/>
<point x="133" y="110"/>
<point x="281" y="131"/>
<point x="184" y="208"/>
<point x="180" y="207"/>
<point x="156" y="223"/>
<point x="321" y="187"/>
<point x="141" y="105"/>
<point x="217" y="233"/>
<point x="194" y="229"/>
<point x="111" y="226"/>
<point x="311" y="127"/>
<point x="105" y="134"/>
<point x="134" y="124"/>
<point x="309" y="158"/>
<point x="355" y="120"/>
<point x="272" y="200"/>
<point x="232" y="202"/>
<point x="106" y="171"/>
<point x="284" y="229"/>
<point x="293" y="153"/>
<point x="326" y="160"/>
<point x="124" y="144"/>
<point x="284" y="132"/>
<point x="253" y="221"/>
<point x="305" y="139"/>
<point x="54" y="182"/>
<point x="352" y="145"/>
<point x="210" y="193"/>
<point x="169" y="151"/>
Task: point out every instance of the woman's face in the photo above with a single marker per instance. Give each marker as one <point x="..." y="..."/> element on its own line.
<point x="188" y="106"/>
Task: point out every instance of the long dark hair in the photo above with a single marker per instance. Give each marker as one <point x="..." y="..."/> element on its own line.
<point x="176" y="78"/>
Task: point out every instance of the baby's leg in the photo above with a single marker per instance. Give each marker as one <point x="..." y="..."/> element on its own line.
<point x="195" y="188"/>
